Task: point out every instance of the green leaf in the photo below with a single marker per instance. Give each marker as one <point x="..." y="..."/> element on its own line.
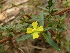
<point x="43" y="8"/>
<point x="52" y="7"/>
<point x="59" y="28"/>
<point x="61" y="18"/>
<point x="50" y="41"/>
<point x="34" y="19"/>
<point x="24" y="37"/>
<point x="47" y="28"/>
<point x="41" y="20"/>
<point x="48" y="33"/>
<point x="50" y="3"/>
<point x="66" y="26"/>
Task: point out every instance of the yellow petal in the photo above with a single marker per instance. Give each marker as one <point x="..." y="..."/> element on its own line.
<point x="35" y="35"/>
<point x="34" y="24"/>
<point x="29" y="30"/>
<point x="40" y="28"/>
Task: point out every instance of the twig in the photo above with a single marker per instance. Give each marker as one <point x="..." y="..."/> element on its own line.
<point x="5" y="40"/>
<point x="52" y="32"/>
<point x="60" y="11"/>
<point x="28" y="16"/>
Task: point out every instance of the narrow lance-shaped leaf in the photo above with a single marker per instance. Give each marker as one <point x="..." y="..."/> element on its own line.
<point x="24" y="37"/>
<point x="66" y="26"/>
<point x="50" y="3"/>
<point x="43" y="8"/>
<point x="50" y="41"/>
<point x="63" y="17"/>
<point x="41" y="20"/>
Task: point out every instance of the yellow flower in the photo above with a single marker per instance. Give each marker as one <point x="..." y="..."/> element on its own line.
<point x="35" y="35"/>
<point x="29" y="30"/>
<point x="40" y="28"/>
<point x="35" y="30"/>
<point x="34" y="24"/>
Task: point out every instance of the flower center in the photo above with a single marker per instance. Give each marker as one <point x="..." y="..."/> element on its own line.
<point x="34" y="29"/>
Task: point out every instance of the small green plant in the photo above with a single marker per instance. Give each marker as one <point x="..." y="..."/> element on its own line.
<point x="52" y="25"/>
<point x="47" y="26"/>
